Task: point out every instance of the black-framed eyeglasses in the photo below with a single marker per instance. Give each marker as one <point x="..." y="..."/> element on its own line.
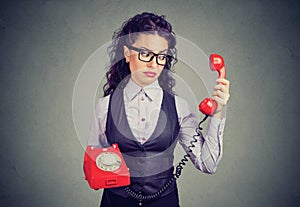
<point x="146" y="55"/>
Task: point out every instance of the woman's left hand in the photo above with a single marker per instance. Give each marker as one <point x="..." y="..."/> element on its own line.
<point x="221" y="95"/>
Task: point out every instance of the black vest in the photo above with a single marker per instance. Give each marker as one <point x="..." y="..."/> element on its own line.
<point x="150" y="164"/>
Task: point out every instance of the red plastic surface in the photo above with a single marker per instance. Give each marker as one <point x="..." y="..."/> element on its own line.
<point x="216" y="62"/>
<point x="98" y="178"/>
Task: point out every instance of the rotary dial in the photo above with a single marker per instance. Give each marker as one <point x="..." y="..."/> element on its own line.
<point x="108" y="161"/>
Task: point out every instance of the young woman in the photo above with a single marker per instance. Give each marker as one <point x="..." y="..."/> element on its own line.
<point x="140" y="113"/>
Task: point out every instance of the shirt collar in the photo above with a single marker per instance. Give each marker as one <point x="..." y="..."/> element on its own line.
<point x="131" y="89"/>
<point x="152" y="91"/>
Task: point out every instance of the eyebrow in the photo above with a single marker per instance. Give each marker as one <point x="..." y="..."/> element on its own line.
<point x="152" y="50"/>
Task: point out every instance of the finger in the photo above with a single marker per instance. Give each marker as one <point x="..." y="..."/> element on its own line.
<point x="223" y="81"/>
<point x="219" y="100"/>
<point x="222" y="87"/>
<point x="223" y="97"/>
<point x="219" y="94"/>
<point x="219" y="87"/>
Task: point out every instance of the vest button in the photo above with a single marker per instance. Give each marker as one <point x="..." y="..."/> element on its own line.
<point x="141" y="173"/>
<point x="141" y="161"/>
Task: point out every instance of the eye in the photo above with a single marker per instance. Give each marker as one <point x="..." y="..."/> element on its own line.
<point x="162" y="57"/>
<point x="145" y="53"/>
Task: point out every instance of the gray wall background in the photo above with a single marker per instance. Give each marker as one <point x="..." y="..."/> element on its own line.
<point x="45" y="43"/>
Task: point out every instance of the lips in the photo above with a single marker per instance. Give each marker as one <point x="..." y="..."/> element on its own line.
<point x="150" y="74"/>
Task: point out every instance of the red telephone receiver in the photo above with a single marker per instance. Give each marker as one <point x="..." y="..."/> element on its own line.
<point x="208" y="106"/>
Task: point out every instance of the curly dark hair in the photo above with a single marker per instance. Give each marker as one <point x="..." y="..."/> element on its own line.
<point x="118" y="71"/>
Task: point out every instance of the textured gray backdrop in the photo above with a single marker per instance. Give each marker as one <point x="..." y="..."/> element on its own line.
<point x="45" y="43"/>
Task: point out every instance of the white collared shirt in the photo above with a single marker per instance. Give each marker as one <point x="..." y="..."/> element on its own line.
<point x="142" y="107"/>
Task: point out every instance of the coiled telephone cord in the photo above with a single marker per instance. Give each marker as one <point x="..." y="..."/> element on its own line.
<point x="176" y="175"/>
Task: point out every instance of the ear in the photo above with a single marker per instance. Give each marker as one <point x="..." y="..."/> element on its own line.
<point x="126" y="53"/>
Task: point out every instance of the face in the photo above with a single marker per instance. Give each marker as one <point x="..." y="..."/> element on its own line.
<point x="145" y="73"/>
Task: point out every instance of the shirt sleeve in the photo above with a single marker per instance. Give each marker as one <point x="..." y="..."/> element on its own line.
<point x="97" y="135"/>
<point x="208" y="149"/>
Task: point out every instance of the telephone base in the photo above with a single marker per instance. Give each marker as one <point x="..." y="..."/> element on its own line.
<point x="105" y="167"/>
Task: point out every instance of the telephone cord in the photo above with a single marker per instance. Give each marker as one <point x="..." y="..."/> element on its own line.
<point x="176" y="175"/>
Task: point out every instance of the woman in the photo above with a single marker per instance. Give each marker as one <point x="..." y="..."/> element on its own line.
<point x="140" y="113"/>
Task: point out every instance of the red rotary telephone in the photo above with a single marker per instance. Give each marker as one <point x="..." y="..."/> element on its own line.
<point x="208" y="106"/>
<point x="105" y="167"/>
